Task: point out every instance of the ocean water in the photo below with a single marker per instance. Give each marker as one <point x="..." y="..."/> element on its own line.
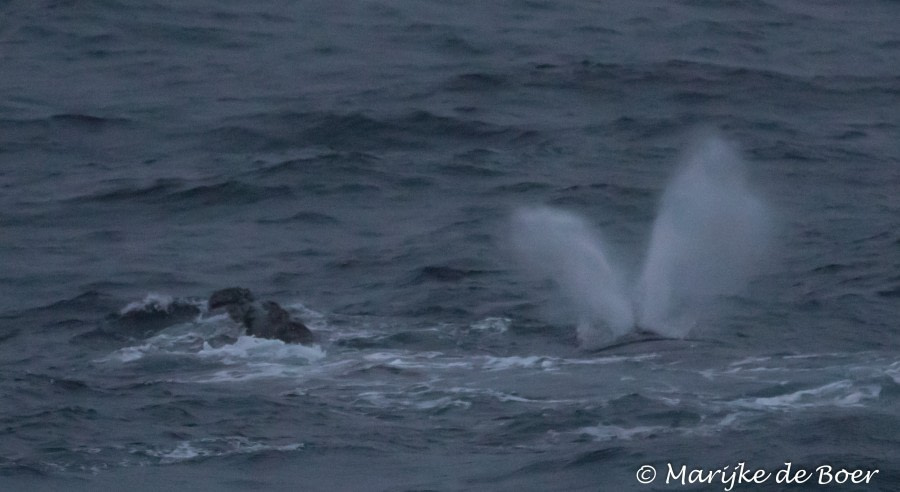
<point x="542" y="244"/>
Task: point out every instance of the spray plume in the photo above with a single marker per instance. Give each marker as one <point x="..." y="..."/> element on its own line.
<point x="710" y="234"/>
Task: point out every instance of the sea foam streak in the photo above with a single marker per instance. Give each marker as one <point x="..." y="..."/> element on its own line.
<point x="710" y="234"/>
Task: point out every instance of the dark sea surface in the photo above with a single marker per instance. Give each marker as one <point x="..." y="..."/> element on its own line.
<point x="362" y="163"/>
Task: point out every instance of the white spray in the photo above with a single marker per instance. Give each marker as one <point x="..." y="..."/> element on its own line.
<point x="561" y="246"/>
<point x="710" y="235"/>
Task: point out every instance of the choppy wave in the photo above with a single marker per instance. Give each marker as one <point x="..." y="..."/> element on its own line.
<point x="367" y="167"/>
<point x="177" y="192"/>
<point x="358" y="132"/>
<point x="213" y="447"/>
<point x="840" y="393"/>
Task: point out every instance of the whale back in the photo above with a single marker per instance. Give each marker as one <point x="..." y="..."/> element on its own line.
<point x="266" y="319"/>
<point x="229" y="296"/>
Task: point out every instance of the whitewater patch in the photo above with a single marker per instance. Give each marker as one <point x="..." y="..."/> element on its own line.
<point x="433" y="397"/>
<point x="505" y="397"/>
<point x="843" y="393"/>
<point x="433" y="360"/>
<point x="316" y="320"/>
<point x="491" y="325"/>
<point x="248" y="348"/>
<point x="411" y="400"/>
<point x="251" y="358"/>
<point x="155" y="304"/>
<point x="160" y="345"/>
<point x="247" y="358"/>
<point x="614" y="432"/>
<point x="194" y="340"/>
<point x="151" y="302"/>
<point x="894" y="372"/>
<point x="213" y="447"/>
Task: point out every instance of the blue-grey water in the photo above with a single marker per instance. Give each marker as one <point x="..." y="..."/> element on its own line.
<point x="362" y="163"/>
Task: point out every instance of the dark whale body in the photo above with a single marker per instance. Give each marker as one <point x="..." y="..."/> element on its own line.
<point x="261" y="319"/>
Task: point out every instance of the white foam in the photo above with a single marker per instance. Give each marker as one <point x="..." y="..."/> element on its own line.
<point x="129" y="354"/>
<point x="499" y="395"/>
<point x="191" y="340"/>
<point x="614" y="359"/>
<point x="750" y="360"/>
<point x="152" y="301"/>
<point x="614" y="432"/>
<point x="214" y="447"/>
<point x="507" y="397"/>
<point x="893" y="371"/>
<point x="393" y="354"/>
<point x="183" y="452"/>
<point x="408" y="400"/>
<point x="251" y="372"/>
<point x="248" y="348"/>
<point x="514" y="362"/>
<point x="161" y="344"/>
<point x="840" y="393"/>
<point x="417" y="360"/>
<point x="440" y="361"/>
<point x="248" y="358"/>
<point x="603" y="432"/>
<point x="429" y="397"/>
<point x="492" y="325"/>
<point x="546" y="363"/>
<point x="252" y="358"/>
<point x="311" y="318"/>
<point x="444" y="402"/>
<point x="730" y="419"/>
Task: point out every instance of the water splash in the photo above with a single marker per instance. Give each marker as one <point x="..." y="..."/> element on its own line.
<point x="712" y="231"/>
<point x="561" y="246"/>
